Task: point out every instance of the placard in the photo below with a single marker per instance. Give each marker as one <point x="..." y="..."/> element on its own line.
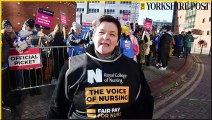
<point x="30" y="58"/>
<point x="44" y="19"/>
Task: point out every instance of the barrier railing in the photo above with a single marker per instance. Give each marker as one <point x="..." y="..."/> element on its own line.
<point x="52" y="59"/>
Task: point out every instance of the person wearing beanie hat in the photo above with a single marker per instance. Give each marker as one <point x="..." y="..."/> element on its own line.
<point x="8" y="98"/>
<point x="28" y="38"/>
<point x="5" y="23"/>
<point x="8" y="33"/>
<point x="30" y="22"/>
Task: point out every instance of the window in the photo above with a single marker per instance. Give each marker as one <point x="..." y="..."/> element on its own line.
<point x="110" y="2"/>
<point x="93" y="10"/>
<point x="121" y="11"/>
<point x="94" y="1"/>
<point x="109" y="11"/>
<point x="209" y="19"/>
<point x="208" y="32"/>
<point x="80" y="9"/>
<point x="125" y="11"/>
<point x="203" y="20"/>
<point x="126" y="2"/>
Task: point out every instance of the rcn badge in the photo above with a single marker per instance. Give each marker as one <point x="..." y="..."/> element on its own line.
<point x="142" y="6"/>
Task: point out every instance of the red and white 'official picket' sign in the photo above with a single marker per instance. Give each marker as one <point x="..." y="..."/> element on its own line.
<point x="30" y="58"/>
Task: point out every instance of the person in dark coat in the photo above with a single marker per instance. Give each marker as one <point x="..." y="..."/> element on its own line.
<point x="58" y="55"/>
<point x="8" y="98"/>
<point x="164" y="46"/>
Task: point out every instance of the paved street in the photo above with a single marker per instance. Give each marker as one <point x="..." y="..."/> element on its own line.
<point x="195" y="101"/>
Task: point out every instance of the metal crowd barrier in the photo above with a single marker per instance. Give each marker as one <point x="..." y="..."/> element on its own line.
<point x="52" y="62"/>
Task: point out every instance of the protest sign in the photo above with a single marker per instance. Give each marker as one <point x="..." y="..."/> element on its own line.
<point x="44" y="18"/>
<point x="63" y="18"/>
<point x="30" y="58"/>
<point x="147" y="24"/>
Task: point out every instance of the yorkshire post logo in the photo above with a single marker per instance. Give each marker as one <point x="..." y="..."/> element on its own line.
<point x="142" y="6"/>
<point x="175" y="5"/>
<point x="94" y="76"/>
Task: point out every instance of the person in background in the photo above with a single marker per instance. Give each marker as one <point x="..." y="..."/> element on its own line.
<point x="127" y="24"/>
<point x="132" y="27"/>
<point x="8" y="98"/>
<point x="142" y="46"/>
<point x="148" y="42"/>
<point x="9" y="35"/>
<point x="188" y="39"/>
<point x="157" y="42"/>
<point x="135" y="45"/>
<point x="87" y="86"/>
<point x="28" y="38"/>
<point x="88" y="35"/>
<point x="164" y="47"/>
<point x="126" y="43"/>
<point x="179" y="44"/>
<point x="8" y="32"/>
<point x="189" y="52"/>
<point x="153" y="46"/>
<point x="74" y="40"/>
<point x="58" y="55"/>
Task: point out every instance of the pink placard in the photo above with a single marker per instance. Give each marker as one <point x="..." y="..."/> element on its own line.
<point x="147" y="24"/>
<point x="125" y="16"/>
<point x="63" y="19"/>
<point x="44" y="18"/>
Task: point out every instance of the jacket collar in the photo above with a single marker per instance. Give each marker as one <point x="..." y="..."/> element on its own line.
<point x="90" y="51"/>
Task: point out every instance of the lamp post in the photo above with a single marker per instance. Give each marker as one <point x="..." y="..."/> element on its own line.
<point x="134" y="14"/>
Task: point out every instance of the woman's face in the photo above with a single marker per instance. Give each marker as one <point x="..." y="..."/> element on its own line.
<point x="105" y="38"/>
<point x="26" y="27"/>
<point x="127" y="32"/>
<point x="8" y="28"/>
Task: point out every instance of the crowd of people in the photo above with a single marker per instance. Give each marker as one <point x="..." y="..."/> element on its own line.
<point x="100" y="47"/>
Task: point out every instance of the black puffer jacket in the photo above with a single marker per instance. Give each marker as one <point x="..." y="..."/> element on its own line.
<point x="165" y="41"/>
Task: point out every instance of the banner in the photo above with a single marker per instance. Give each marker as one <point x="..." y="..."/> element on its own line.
<point x="30" y="58"/>
<point x="44" y="18"/>
<point x="148" y="24"/>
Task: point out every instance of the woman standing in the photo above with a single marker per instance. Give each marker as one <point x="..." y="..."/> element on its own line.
<point x="102" y="83"/>
<point x="9" y="98"/>
<point x="57" y="54"/>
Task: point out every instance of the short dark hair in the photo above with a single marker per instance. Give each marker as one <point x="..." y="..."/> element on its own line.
<point x="189" y="32"/>
<point x="109" y="18"/>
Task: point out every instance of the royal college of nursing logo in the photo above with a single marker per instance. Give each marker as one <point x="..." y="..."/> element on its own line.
<point x="94" y="76"/>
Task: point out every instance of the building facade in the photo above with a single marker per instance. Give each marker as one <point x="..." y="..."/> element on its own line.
<point x="186" y="20"/>
<point x="125" y="11"/>
<point x="18" y="12"/>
